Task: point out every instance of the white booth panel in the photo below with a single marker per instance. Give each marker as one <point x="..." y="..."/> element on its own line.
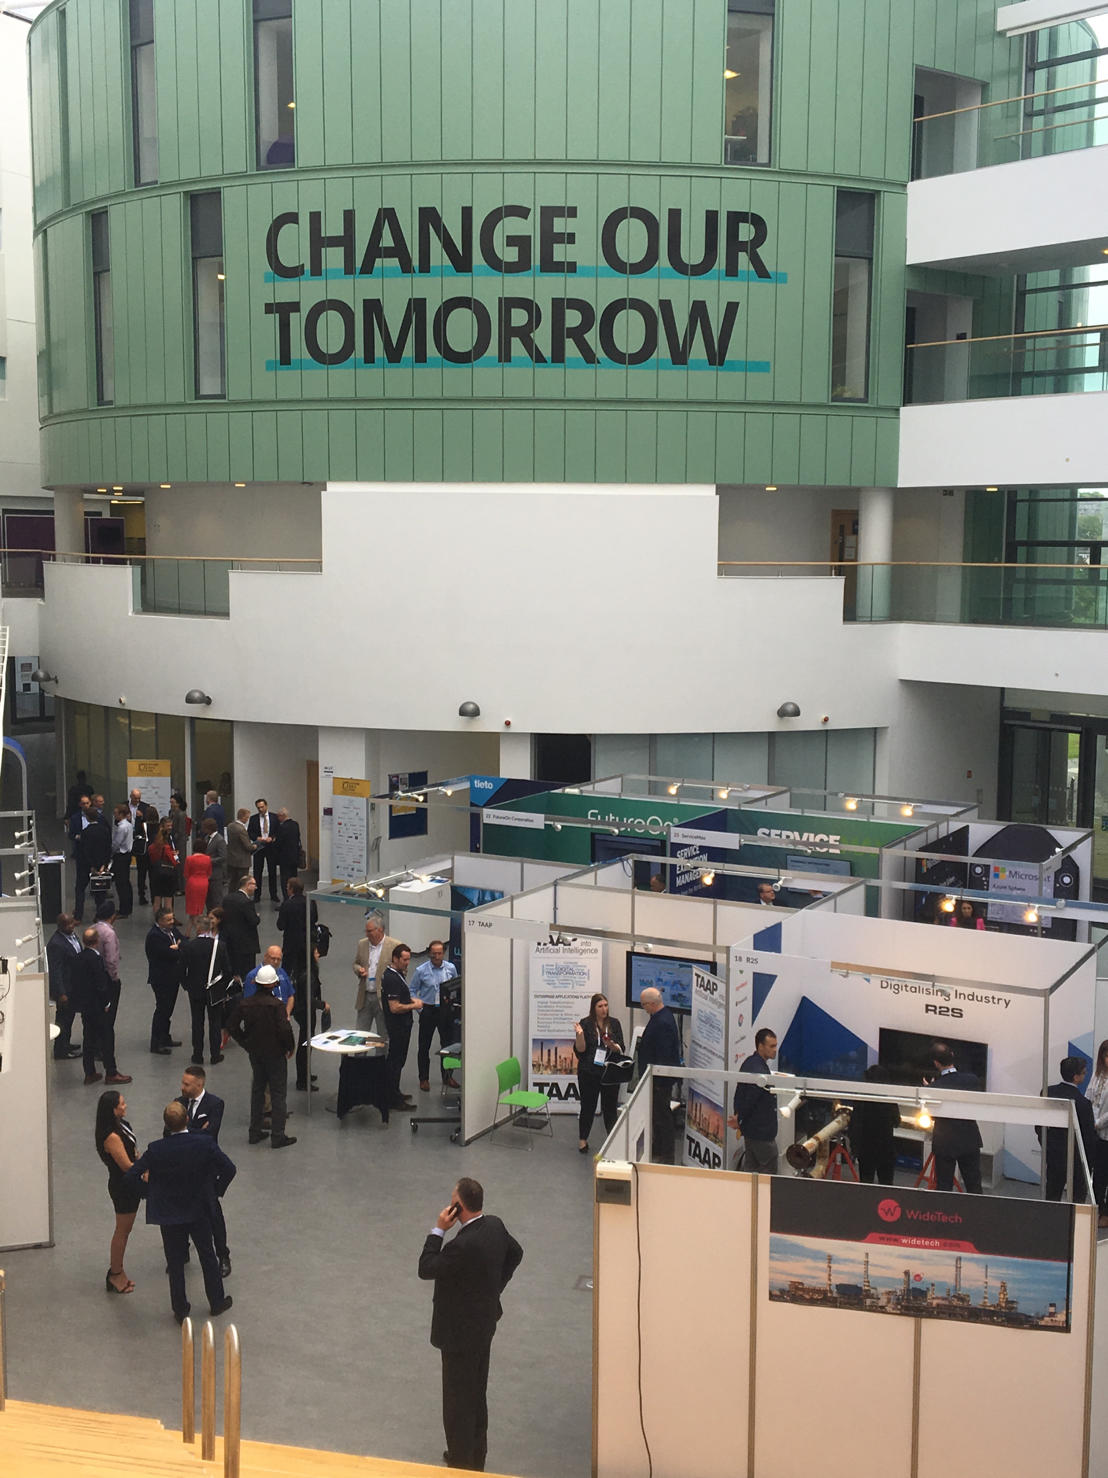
<point x="24" y="1138"/>
<point x="582" y="909"/>
<point x="473" y="870"/>
<point x="486" y="1018"/>
<point x="663" y="916"/>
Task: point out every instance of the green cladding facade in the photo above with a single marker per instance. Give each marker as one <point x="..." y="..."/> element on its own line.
<point x="508" y="250"/>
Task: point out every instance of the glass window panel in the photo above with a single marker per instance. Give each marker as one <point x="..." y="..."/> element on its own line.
<point x="212" y="760"/>
<point x="144" y="736"/>
<point x="683" y="755"/>
<point x="850" y="760"/>
<point x="748" y="85"/>
<point x="211" y="367"/>
<point x="101" y="252"/>
<point x="850" y="330"/>
<point x="119" y="751"/>
<point x="742" y="758"/>
<point x="799" y="760"/>
<point x="171" y="746"/>
<point x="273" y="95"/>
<point x="144" y="110"/>
<point x="854" y="212"/>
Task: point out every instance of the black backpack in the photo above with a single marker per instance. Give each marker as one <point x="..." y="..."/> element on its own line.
<point x="322" y="939"/>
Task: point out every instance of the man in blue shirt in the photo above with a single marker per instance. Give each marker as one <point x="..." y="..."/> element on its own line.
<point x="280" y="985"/>
<point x="426" y="985"/>
<point x="755" y="1114"/>
<point x="660" y="1045"/>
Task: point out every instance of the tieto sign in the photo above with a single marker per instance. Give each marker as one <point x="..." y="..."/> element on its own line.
<point x="600" y="319"/>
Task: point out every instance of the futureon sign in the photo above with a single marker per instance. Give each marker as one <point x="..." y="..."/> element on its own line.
<point x="611" y="327"/>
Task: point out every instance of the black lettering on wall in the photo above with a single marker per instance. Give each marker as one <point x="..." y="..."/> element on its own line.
<point x="312" y="340"/>
<point x="459" y="253"/>
<point x="272" y="253"/>
<point x="413" y="322"/>
<point x="318" y="242"/>
<point x="482" y="330"/>
<point x="711" y="244"/>
<point x="609" y="248"/>
<point x="520" y="245"/>
<point x="561" y="329"/>
<point x="283" y="312"/>
<point x="378" y="248"/>
<point x="699" y="322"/>
<point x="549" y="238"/>
<point x="649" y="322"/>
<point x="509" y="329"/>
<point x="738" y="245"/>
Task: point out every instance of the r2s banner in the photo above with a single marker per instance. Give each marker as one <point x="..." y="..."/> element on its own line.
<point x="706" y="1114"/>
<point x="563" y="979"/>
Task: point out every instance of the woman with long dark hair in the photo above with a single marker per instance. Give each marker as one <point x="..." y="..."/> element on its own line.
<point x="163" y="868"/>
<point x="598" y="1037"/>
<point x="115" y="1144"/>
<point x="965" y="915"/>
<point x="1098" y="1097"/>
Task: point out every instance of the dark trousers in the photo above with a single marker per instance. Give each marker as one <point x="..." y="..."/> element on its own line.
<point x="878" y="1165"/>
<point x="175" y="1240"/>
<point x="301" y="1019"/>
<point x="80" y="887"/>
<point x="431" y="1020"/>
<point x="400" y="1036"/>
<point x="591" y="1090"/>
<point x="264" y="858"/>
<point x="969" y="1167"/>
<point x="1056" y="1179"/>
<point x="142" y="873"/>
<point x="287" y="873"/>
<point x="63" y="1020"/>
<point x="219" y="1229"/>
<point x="465" y="1410"/>
<point x="663" y="1133"/>
<point x="98" y="1030"/>
<point x="165" y="998"/>
<point x="121" y="876"/>
<point x="1100" y="1173"/>
<point x="271" y="1073"/>
<point x="198" y="1006"/>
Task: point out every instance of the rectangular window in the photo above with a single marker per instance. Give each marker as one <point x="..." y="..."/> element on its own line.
<point x="854" y="217"/>
<point x="274" y="104"/>
<point x="748" y="81"/>
<point x="144" y="103"/>
<point x="206" y="224"/>
<point x="3" y="378"/>
<point x="102" y="308"/>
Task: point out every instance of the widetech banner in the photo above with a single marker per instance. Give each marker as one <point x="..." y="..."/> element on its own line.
<point x="557" y="283"/>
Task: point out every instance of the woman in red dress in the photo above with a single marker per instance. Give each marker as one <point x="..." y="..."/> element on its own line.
<point x="198" y="872"/>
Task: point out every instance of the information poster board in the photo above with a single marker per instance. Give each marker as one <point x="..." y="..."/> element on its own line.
<point x="562" y="978"/>
<point x="407" y="818"/>
<point x="153" y="778"/>
<point x="349" y="829"/>
<point x="925" y="1254"/>
<point x="706" y="1113"/>
<point x="1018" y="880"/>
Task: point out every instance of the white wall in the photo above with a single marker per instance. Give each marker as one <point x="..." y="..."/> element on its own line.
<point x="20" y="476"/>
<point x="1032" y="213"/>
<point x="1020" y="441"/>
<point x="271" y="761"/>
<point x="442" y="756"/>
<point x="942" y="743"/>
<point x="792" y="524"/>
<point x="266" y="521"/>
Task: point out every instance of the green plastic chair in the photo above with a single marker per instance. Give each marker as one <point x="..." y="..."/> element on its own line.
<point x="520" y="1102"/>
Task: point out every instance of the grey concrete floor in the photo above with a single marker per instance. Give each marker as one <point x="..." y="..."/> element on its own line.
<point x="325" y="1238"/>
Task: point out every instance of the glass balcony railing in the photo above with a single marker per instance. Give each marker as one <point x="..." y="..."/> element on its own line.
<point x="1070" y="596"/>
<point x="161" y="585"/>
<point x="1053" y="362"/>
<point x="1052" y="120"/>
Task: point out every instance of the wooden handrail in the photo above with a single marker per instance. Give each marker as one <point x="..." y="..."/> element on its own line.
<point x="889" y="564"/>
<point x="124" y="558"/>
<point x="232" y="1401"/>
<point x="207" y="1392"/>
<point x="1035" y="333"/>
<point x="188" y="1383"/>
<point x="1023" y="97"/>
<point x="3" y="1348"/>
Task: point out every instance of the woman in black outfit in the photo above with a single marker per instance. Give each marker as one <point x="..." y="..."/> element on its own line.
<point x="597" y="1032"/>
<point x="115" y="1144"/>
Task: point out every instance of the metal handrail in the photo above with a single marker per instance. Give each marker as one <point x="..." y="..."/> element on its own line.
<point x="207" y="1392"/>
<point x="1035" y="333"/>
<point x="1022" y="97"/>
<point x="232" y="1401"/>
<point x="912" y="564"/>
<point x="188" y="1383"/>
<point x="125" y="558"/>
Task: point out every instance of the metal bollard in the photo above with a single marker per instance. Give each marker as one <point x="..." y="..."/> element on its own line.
<point x="188" y="1383"/>
<point x="232" y="1401"/>
<point x="207" y="1392"/>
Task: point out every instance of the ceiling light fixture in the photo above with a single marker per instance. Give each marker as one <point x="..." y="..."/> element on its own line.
<point x="165" y="484"/>
<point x="197" y="695"/>
<point x="771" y="487"/>
<point x="469" y="709"/>
<point x="789" y="710"/>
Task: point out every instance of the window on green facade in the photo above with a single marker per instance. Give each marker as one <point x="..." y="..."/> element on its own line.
<point x="850" y="303"/>
<point x="209" y="341"/>
<point x="274" y="103"/>
<point x="104" y="331"/>
<point x="144" y="102"/>
<point x="748" y="81"/>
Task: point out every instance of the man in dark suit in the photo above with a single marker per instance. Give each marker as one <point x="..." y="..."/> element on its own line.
<point x="185" y="1174"/>
<point x="262" y="831"/>
<point x="288" y="849"/>
<point x="955" y="1142"/>
<point x="163" y="955"/>
<point x="62" y="949"/>
<point x="1072" y="1071"/>
<point x="660" y="1045"/>
<point x="216" y="848"/>
<point x="95" y="995"/>
<point x="205" y="1116"/>
<point x="213" y="811"/>
<point x="239" y="930"/>
<point x="92" y="847"/>
<point x="141" y="837"/>
<point x="470" y="1273"/>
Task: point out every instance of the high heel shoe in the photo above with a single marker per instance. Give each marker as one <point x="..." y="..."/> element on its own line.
<point x="110" y="1286"/>
<point x="583" y="1149"/>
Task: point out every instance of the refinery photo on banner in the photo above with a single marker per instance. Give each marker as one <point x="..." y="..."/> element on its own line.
<point x="927" y="1254"/>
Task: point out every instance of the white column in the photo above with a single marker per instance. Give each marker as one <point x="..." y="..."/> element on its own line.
<point x="875" y="547"/>
<point x="515" y="755"/>
<point x="69" y="520"/>
<point x="341" y="752"/>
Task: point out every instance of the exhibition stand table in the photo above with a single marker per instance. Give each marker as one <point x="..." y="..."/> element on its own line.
<point x="362" y="1074"/>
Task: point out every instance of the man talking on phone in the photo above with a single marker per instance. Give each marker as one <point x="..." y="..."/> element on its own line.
<point x="470" y="1272"/>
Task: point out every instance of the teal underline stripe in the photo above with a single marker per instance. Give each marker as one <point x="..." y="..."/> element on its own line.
<point x="733" y="366"/>
<point x="334" y="274"/>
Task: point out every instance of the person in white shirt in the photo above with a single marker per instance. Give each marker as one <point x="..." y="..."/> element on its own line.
<point x="123" y="832"/>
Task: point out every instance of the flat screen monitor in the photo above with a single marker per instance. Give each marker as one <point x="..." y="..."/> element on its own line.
<point x="912" y="1051"/>
<point x="671" y="974"/>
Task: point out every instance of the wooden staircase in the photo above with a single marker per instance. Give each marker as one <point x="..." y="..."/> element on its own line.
<point x="41" y="1441"/>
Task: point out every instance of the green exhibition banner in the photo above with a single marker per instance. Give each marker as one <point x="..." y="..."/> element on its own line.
<point x="511" y="830"/>
<point x="817" y="835"/>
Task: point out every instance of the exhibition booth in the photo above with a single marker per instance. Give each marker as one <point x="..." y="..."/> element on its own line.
<point x="817" y="1326"/>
